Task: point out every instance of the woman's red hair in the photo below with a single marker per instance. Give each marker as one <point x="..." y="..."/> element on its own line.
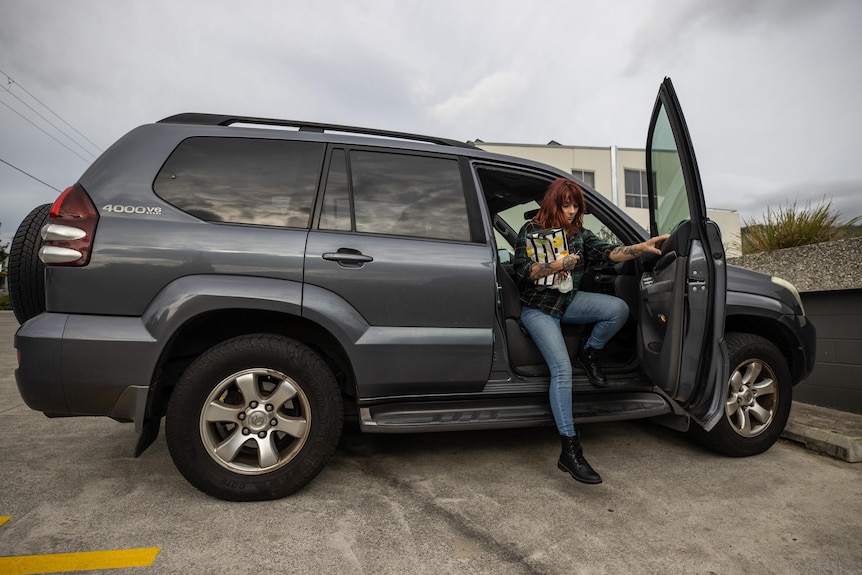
<point x="561" y="191"/>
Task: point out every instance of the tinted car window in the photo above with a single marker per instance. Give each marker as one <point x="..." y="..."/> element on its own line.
<point x="241" y="180"/>
<point x="400" y="194"/>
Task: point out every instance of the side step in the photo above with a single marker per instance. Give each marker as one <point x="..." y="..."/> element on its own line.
<point x="409" y="417"/>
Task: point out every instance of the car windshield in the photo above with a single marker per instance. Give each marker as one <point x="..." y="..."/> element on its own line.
<point x="668" y="182"/>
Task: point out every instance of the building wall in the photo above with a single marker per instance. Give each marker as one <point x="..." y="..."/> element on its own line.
<point x="601" y="162"/>
<point x="836" y="381"/>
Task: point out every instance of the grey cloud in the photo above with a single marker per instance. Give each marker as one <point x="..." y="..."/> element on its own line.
<point x="108" y="67"/>
<point x="844" y="197"/>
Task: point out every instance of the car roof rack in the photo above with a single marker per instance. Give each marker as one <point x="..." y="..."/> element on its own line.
<point x="220" y="120"/>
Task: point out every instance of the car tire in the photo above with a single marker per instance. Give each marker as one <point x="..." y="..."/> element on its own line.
<point x="758" y="399"/>
<point x="26" y="272"/>
<point x="254" y="418"/>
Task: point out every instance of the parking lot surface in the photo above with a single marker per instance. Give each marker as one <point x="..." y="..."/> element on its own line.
<point x="475" y="502"/>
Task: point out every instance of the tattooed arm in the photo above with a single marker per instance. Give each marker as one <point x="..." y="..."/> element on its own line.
<point x="542" y="269"/>
<point x="625" y="253"/>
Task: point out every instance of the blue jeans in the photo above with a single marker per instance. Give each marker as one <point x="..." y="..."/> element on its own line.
<point x="609" y="312"/>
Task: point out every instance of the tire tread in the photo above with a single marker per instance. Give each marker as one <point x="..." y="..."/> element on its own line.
<point x="26" y="270"/>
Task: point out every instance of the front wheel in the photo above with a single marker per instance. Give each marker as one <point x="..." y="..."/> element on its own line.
<point x="254" y="418"/>
<point x="758" y="399"/>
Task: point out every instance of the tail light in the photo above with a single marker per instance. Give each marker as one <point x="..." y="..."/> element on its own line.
<point x="68" y="235"/>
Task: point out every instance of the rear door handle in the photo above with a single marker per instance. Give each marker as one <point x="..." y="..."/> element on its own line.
<point x="348" y="257"/>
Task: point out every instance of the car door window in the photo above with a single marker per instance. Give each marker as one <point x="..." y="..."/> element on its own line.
<point x="407" y="195"/>
<point x="669" y="183"/>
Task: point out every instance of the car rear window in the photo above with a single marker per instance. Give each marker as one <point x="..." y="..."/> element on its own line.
<point x="243" y="180"/>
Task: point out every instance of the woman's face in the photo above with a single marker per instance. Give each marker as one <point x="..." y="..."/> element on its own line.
<point x="570" y="210"/>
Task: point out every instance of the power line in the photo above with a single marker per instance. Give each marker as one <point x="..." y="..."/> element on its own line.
<point x="50" y="123"/>
<point x="41" y="129"/>
<point x="11" y="81"/>
<point x="29" y="175"/>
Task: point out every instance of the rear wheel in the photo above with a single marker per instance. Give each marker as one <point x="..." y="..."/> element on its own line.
<point x="254" y="418"/>
<point x="26" y="270"/>
<point x="758" y="399"/>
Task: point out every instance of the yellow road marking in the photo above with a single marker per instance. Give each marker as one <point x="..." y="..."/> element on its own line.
<point x="66" y="562"/>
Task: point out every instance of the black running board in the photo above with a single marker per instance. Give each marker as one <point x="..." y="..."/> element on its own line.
<point x="409" y="417"/>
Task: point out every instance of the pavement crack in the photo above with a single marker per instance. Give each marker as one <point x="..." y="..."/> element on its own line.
<point x="466" y="530"/>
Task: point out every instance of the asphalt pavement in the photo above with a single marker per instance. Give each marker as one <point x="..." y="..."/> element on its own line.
<point x="472" y="503"/>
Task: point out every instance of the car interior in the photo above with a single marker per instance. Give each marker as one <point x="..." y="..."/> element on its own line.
<point x="513" y="198"/>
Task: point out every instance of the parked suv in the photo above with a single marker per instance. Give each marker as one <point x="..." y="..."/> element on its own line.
<point x="254" y="285"/>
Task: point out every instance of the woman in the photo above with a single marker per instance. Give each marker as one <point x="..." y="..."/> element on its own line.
<point x="545" y="309"/>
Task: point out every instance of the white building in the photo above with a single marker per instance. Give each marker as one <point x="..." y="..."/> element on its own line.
<point x="619" y="174"/>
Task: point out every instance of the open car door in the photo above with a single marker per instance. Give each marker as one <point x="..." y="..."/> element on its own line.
<point x="682" y="299"/>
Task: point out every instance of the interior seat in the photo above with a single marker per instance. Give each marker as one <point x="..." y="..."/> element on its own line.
<point x="525" y="357"/>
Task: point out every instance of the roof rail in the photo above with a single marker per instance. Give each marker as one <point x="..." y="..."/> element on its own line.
<point x="219" y="120"/>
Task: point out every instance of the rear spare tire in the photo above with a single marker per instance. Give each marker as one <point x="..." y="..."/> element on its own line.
<point x="26" y="270"/>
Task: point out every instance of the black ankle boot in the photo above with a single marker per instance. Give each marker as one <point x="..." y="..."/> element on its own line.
<point x="572" y="461"/>
<point x="589" y="360"/>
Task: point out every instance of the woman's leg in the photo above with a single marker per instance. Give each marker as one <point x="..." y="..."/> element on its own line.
<point x="546" y="333"/>
<point x="609" y="312"/>
<point x="548" y="337"/>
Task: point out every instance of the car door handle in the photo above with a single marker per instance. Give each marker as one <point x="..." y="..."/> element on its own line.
<point x="348" y="257"/>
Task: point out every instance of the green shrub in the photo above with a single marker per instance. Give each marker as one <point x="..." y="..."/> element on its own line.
<point x="5" y="302"/>
<point x="790" y="227"/>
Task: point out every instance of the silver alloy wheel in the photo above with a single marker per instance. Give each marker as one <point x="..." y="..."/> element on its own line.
<point x="752" y="398"/>
<point x="255" y="421"/>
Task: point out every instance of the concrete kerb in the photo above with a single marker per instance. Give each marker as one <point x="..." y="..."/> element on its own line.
<point x="829" y="431"/>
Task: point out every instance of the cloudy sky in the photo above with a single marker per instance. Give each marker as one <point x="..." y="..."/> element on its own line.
<point x="770" y="88"/>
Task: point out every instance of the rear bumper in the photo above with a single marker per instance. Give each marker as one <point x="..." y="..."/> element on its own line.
<point x="86" y="365"/>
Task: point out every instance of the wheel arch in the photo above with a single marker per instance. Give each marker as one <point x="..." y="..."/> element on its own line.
<point x="195" y="313"/>
<point x="215" y="326"/>
<point x="772" y="328"/>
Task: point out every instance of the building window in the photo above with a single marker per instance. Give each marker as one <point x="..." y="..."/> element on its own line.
<point x="636" y="189"/>
<point x="589" y="178"/>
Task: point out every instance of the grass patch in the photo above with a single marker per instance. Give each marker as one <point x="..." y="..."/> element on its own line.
<point x="790" y="227"/>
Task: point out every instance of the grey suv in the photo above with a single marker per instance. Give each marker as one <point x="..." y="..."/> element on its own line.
<point x="255" y="285"/>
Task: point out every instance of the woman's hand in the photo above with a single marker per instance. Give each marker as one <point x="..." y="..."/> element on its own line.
<point x="569" y="262"/>
<point x="652" y="244"/>
<point x="625" y="253"/>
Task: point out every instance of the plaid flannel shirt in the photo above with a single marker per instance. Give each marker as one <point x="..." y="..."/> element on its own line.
<point x="593" y="250"/>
